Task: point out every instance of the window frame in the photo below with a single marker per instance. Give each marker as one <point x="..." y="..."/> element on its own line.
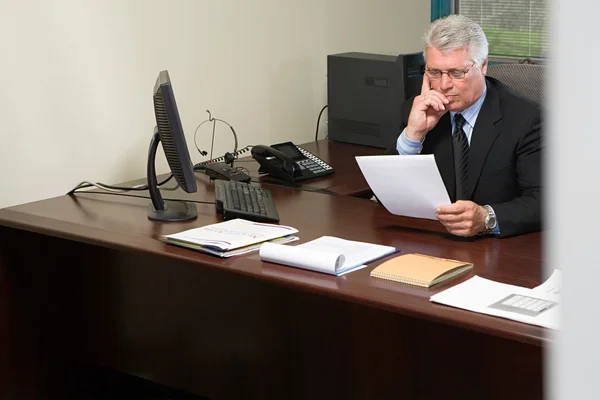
<point x="443" y="8"/>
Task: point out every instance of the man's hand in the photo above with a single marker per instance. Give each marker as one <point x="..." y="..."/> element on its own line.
<point x="427" y="109"/>
<point x="463" y="218"/>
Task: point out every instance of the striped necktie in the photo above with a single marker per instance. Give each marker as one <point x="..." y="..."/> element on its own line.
<point x="461" y="157"/>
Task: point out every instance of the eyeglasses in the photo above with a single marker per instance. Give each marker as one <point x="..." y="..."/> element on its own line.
<point x="452" y="73"/>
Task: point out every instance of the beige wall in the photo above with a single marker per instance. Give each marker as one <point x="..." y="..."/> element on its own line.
<point x="77" y="77"/>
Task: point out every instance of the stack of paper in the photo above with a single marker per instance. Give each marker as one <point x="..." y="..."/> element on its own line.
<point x="233" y="237"/>
<point x="539" y="306"/>
<point x="329" y="255"/>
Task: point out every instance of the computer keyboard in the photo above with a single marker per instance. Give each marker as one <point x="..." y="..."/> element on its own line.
<point x="245" y="200"/>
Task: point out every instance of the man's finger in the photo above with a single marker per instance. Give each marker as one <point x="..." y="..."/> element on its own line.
<point x="460" y="230"/>
<point x="436" y="104"/>
<point x="434" y="94"/>
<point x="450" y="209"/>
<point x="426" y="86"/>
<point x="449" y="218"/>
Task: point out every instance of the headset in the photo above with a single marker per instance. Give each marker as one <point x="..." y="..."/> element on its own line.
<point x="229" y="157"/>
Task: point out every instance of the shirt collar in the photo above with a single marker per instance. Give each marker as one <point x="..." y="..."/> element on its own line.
<point x="470" y="114"/>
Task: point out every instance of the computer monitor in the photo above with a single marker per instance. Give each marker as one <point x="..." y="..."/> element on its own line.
<point x="169" y="132"/>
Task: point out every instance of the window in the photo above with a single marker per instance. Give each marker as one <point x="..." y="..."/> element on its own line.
<point x="514" y="28"/>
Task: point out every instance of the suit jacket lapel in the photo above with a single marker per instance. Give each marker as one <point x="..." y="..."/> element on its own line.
<point x="484" y="134"/>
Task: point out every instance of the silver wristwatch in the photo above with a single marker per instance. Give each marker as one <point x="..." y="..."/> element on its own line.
<point x="490" y="222"/>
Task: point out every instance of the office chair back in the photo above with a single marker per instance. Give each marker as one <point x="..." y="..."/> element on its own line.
<point x="527" y="79"/>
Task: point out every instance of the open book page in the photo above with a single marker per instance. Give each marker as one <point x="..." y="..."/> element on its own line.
<point x="232" y="234"/>
<point x="355" y="253"/>
<point x="507" y="301"/>
<point x="295" y="256"/>
<point x="406" y="185"/>
<point x="326" y="254"/>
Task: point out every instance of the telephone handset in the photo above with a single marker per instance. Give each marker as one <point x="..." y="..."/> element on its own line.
<point x="290" y="162"/>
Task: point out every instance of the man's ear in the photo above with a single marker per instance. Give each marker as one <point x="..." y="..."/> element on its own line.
<point x="484" y="67"/>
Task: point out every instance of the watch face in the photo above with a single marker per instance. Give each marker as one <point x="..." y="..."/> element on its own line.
<point x="490" y="222"/>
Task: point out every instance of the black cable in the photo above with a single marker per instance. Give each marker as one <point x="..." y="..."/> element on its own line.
<point x="144" y="187"/>
<point x="318" y="121"/>
<point x="244" y="170"/>
<point x="143" y="197"/>
<point x="249" y="160"/>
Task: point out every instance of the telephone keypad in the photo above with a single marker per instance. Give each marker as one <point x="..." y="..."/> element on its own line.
<point x="314" y="163"/>
<point x="310" y="165"/>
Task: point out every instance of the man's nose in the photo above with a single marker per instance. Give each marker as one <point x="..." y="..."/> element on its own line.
<point x="445" y="82"/>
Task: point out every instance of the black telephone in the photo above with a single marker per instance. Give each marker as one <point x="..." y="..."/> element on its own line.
<point x="290" y="162"/>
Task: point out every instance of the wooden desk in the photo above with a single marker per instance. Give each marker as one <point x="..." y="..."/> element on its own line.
<point x="85" y="278"/>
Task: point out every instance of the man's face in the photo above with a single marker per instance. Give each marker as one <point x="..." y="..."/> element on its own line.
<point x="462" y="93"/>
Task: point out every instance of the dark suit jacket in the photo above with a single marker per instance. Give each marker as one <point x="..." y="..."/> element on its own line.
<point x="504" y="157"/>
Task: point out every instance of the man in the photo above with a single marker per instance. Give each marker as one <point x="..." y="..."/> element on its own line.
<point x="484" y="136"/>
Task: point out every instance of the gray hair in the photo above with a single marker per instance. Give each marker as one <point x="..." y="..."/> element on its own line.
<point x="457" y="32"/>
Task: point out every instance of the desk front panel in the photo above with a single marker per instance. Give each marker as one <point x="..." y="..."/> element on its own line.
<point x="215" y="332"/>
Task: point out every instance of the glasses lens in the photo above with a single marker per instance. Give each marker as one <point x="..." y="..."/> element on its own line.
<point x="456" y="74"/>
<point x="434" y="73"/>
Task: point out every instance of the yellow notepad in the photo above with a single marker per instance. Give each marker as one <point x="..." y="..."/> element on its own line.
<point x="419" y="269"/>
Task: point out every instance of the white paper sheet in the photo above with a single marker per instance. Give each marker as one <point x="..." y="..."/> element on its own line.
<point x="355" y="253"/>
<point x="326" y="254"/>
<point x="508" y="301"/>
<point x="406" y="185"/>
<point x="295" y="256"/>
<point x="552" y="284"/>
<point x="232" y="237"/>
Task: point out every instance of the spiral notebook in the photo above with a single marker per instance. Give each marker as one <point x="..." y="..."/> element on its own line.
<point x="420" y="269"/>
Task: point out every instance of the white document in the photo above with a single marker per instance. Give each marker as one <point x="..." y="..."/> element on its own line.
<point x="507" y="301"/>
<point x="233" y="237"/>
<point x="406" y="185"/>
<point x="327" y="254"/>
<point x="552" y="284"/>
